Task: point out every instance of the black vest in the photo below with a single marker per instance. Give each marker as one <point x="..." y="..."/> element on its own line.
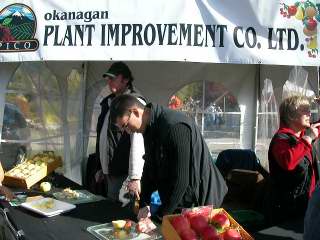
<point x="291" y="188"/>
<point x="206" y="182"/>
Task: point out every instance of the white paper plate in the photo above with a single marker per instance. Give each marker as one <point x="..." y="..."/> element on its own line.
<point x="84" y="197"/>
<point x="48" y="206"/>
<point x="105" y="232"/>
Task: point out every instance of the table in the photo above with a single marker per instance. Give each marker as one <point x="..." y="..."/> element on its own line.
<point x="290" y="230"/>
<point x="71" y="225"/>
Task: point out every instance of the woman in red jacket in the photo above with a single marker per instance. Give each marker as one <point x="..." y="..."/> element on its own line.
<point x="292" y="164"/>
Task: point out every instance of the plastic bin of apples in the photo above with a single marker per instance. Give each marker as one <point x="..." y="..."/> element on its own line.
<point x="203" y="223"/>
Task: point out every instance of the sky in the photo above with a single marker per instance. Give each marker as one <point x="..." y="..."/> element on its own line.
<point x="16" y="7"/>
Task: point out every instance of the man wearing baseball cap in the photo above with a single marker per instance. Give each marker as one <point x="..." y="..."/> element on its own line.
<point x="119" y="152"/>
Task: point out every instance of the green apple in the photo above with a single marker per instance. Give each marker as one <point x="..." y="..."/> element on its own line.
<point x="45" y="186"/>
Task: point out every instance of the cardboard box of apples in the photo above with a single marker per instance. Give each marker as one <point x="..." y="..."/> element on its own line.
<point x="202" y="223"/>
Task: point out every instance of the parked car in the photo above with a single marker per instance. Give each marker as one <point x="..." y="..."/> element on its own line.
<point x="15" y="135"/>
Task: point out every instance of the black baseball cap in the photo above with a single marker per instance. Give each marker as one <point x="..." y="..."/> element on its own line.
<point x="118" y="68"/>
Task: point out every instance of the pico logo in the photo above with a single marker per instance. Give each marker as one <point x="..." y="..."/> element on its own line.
<point x="308" y="13"/>
<point x="18" y="26"/>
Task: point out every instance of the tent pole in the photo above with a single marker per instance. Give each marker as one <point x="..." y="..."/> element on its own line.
<point x="82" y="153"/>
<point x="256" y="108"/>
<point x="318" y="75"/>
<point x="203" y="99"/>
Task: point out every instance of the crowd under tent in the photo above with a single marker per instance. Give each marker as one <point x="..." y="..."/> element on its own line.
<point x="238" y="58"/>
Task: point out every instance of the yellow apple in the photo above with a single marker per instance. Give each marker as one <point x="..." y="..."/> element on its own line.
<point x="118" y="224"/>
<point x="45" y="186"/>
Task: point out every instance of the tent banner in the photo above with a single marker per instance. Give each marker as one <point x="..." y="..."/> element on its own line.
<point x="220" y="31"/>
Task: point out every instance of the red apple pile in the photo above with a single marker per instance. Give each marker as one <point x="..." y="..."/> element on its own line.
<point x="201" y="227"/>
<point x="203" y="210"/>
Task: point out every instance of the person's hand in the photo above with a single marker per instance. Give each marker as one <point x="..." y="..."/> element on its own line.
<point x="313" y="132"/>
<point x="99" y="176"/>
<point x="146" y="225"/>
<point x="144" y="213"/>
<point x="314" y="128"/>
<point x="134" y="187"/>
<point x="7" y="193"/>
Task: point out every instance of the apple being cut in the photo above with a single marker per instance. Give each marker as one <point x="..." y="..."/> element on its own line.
<point x="231" y="234"/>
<point x="180" y="223"/>
<point x="220" y="220"/>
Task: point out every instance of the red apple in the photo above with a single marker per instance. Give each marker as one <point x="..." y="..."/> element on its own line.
<point x="198" y="223"/>
<point x="188" y="234"/>
<point x="311" y="24"/>
<point x="128" y="225"/>
<point x="220" y="220"/>
<point x="210" y="233"/>
<point x="231" y="234"/>
<point x="292" y="10"/>
<point x="180" y="223"/>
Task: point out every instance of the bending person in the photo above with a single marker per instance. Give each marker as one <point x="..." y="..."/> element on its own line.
<point x="177" y="160"/>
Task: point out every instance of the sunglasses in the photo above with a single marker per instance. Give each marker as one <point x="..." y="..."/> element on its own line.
<point x="304" y="111"/>
<point x="125" y="125"/>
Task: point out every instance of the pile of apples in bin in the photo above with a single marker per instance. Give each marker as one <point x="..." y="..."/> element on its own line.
<point x="205" y="225"/>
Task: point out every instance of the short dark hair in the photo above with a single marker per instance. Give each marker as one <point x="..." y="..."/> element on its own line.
<point x="121" y="105"/>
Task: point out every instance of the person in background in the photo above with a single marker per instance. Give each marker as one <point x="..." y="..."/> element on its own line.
<point x="292" y="163"/>
<point x="175" y="102"/>
<point x="177" y="160"/>
<point x="4" y="191"/>
<point x="119" y="153"/>
<point x="312" y="217"/>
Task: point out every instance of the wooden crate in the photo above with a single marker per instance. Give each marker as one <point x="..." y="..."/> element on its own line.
<point x="30" y="172"/>
<point x="169" y="232"/>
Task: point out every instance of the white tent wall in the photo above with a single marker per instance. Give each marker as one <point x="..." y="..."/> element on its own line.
<point x="157" y="81"/>
<point x="7" y="70"/>
<point x="72" y="162"/>
<point x="278" y="75"/>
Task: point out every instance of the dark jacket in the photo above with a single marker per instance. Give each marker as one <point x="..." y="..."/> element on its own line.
<point x="292" y="172"/>
<point x="205" y="184"/>
<point x="119" y="150"/>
